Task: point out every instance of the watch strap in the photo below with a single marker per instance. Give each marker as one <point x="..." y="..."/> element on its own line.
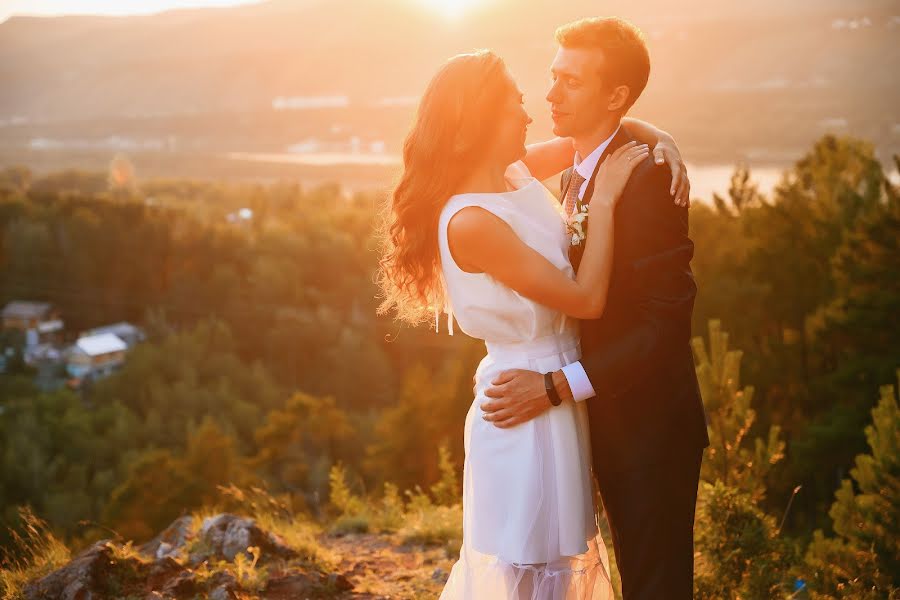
<point x="555" y="400"/>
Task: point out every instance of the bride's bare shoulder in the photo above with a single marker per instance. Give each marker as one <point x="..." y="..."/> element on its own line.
<point x="472" y="222"/>
<point x="470" y="230"/>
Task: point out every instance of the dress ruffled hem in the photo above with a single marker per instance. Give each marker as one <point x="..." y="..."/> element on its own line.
<point x="478" y="576"/>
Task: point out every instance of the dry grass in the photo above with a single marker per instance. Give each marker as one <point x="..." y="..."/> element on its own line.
<point x="38" y="552"/>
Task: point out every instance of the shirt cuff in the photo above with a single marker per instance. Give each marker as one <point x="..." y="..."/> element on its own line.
<point x="578" y="381"/>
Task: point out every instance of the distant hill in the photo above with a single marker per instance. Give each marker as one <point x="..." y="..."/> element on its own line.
<point x="758" y="77"/>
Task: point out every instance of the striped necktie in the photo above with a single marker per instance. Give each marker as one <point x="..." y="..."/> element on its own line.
<point x="572" y="194"/>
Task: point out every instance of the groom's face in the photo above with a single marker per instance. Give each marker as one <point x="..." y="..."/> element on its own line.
<point x="579" y="99"/>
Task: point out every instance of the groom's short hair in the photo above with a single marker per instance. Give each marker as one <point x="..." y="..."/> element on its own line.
<point x="623" y="46"/>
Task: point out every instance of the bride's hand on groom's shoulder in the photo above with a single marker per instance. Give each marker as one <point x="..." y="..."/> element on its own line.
<point x="666" y="151"/>
<point x="615" y="170"/>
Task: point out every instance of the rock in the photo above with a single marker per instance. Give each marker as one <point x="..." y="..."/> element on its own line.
<point x="88" y="576"/>
<point x="100" y="572"/>
<point x="295" y="585"/>
<point x="439" y="575"/>
<point x="222" y="579"/>
<point x="162" y="571"/>
<point x="225" y="535"/>
<point x="170" y="540"/>
<point x="222" y="593"/>
<point x="337" y="581"/>
<point x="184" y="585"/>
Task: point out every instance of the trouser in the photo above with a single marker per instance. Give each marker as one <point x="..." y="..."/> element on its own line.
<point x="651" y="517"/>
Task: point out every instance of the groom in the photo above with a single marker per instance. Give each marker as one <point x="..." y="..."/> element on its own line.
<point x="648" y="425"/>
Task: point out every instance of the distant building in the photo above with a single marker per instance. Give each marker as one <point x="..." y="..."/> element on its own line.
<point x="94" y="356"/>
<point x="40" y="321"/>
<point x="125" y="331"/>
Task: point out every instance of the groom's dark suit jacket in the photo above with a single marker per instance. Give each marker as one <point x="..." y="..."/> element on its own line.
<point x="637" y="355"/>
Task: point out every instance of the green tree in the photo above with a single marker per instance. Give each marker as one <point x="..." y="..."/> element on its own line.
<point x="857" y="332"/>
<point x="743" y="193"/>
<point x="853" y="337"/>
<point x="161" y="485"/>
<point x="805" y="280"/>
<point x="151" y="496"/>
<point x="187" y="376"/>
<point x="212" y="459"/>
<point x="298" y="444"/>
<point x="862" y="560"/>
<point x="732" y="457"/>
<point x="407" y="436"/>
<point x="61" y="457"/>
<point x="797" y="233"/>
<point x="740" y="551"/>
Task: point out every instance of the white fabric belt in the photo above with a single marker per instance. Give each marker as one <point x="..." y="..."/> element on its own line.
<point x="547" y="345"/>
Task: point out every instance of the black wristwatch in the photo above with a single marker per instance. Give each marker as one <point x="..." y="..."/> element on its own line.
<point x="555" y="400"/>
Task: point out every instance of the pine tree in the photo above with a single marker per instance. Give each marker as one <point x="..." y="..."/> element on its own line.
<point x="857" y="332"/>
<point x="740" y="552"/>
<point x="742" y="193"/>
<point x="863" y="560"/>
<point x="731" y="458"/>
<point x="795" y="237"/>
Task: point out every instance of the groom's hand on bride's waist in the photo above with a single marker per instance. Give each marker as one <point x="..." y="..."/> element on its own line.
<point x="517" y="396"/>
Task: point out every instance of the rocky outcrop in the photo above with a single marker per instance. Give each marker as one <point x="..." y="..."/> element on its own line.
<point x="93" y="574"/>
<point x="169" y="567"/>
<point x="225" y="535"/>
<point x="170" y="539"/>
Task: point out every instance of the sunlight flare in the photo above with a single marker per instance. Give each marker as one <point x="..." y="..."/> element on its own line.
<point x="451" y="9"/>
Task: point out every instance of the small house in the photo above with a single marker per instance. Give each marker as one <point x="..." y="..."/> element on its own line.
<point x="40" y="321"/>
<point x="95" y="355"/>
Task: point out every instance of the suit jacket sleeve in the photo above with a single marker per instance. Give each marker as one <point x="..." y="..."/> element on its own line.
<point x="661" y="290"/>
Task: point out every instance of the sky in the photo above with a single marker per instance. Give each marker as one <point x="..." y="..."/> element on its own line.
<point x="450" y="8"/>
<point x="101" y="7"/>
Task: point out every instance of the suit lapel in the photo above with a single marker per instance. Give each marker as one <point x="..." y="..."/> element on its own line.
<point x="621" y="138"/>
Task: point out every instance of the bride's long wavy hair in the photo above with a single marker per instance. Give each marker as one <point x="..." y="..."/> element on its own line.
<point x="450" y="136"/>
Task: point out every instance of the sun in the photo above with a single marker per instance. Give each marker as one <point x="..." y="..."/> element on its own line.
<point x="451" y="9"/>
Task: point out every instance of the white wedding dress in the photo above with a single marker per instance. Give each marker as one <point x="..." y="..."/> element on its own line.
<point x="529" y="524"/>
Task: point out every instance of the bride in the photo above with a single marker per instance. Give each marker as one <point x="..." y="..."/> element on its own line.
<point x="530" y="528"/>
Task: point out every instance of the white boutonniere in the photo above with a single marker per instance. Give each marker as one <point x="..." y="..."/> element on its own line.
<point x="576" y="223"/>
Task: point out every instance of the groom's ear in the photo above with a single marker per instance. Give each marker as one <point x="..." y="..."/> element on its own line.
<point x="618" y="99"/>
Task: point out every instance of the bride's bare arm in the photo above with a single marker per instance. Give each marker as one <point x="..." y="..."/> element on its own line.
<point x="545" y="159"/>
<point x="482" y="242"/>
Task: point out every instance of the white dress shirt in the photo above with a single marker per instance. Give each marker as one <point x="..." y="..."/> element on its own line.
<point x="574" y="372"/>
